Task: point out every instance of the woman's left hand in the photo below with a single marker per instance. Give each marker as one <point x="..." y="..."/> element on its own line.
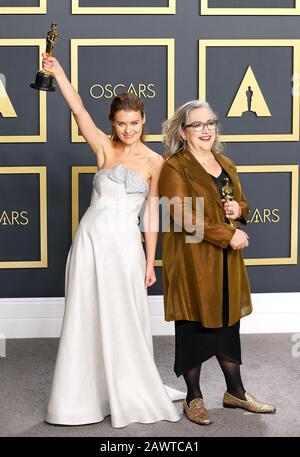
<point x="150" y="277"/>
<point x="232" y="209"/>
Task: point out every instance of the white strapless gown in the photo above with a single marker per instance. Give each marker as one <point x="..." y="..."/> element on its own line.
<point x="105" y="363"/>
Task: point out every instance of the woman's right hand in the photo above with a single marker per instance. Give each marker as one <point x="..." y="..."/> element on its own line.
<point x="51" y="64"/>
<point x="239" y="240"/>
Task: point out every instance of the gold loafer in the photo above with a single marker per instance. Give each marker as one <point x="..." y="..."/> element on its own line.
<point x="250" y="404"/>
<point x="197" y="412"/>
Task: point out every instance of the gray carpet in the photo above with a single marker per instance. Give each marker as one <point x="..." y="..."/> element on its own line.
<point x="269" y="371"/>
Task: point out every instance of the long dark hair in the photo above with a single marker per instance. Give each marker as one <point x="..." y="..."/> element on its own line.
<point x="126" y="101"/>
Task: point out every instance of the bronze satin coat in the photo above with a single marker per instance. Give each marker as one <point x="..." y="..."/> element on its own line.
<point x="193" y="272"/>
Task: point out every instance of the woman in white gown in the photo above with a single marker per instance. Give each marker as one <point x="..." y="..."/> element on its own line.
<point x="105" y="363"/>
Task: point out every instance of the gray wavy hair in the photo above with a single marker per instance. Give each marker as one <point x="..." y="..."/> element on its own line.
<point x="172" y="127"/>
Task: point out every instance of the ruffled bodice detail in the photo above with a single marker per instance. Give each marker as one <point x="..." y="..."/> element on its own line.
<point x="133" y="181"/>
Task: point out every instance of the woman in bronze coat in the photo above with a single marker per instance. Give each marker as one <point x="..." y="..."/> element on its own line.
<point x="206" y="287"/>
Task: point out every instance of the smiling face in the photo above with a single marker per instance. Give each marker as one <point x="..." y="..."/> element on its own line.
<point x="128" y="126"/>
<point x="200" y="141"/>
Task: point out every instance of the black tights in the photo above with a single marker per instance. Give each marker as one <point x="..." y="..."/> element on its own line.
<point x="192" y="380"/>
<point x="232" y="374"/>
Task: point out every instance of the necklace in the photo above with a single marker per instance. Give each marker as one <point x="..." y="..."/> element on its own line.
<point x="203" y="162"/>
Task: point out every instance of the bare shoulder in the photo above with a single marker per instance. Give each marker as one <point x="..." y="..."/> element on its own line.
<point x="156" y="161"/>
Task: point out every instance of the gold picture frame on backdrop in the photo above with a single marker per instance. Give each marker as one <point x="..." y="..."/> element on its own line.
<point x="76" y="171"/>
<point x="43" y="262"/>
<point x="294" y="170"/>
<point x="294" y="44"/>
<point x="41" y="9"/>
<point x="170" y="9"/>
<point x="168" y="42"/>
<point x="209" y="11"/>
<point x="42" y="136"/>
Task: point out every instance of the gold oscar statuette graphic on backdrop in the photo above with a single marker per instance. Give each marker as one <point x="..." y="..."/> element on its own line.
<point x="6" y="106"/>
<point x="44" y="79"/>
<point x="249" y="99"/>
<point x="227" y="193"/>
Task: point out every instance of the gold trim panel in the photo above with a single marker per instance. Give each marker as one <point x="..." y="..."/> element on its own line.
<point x="170" y="9"/>
<point x="169" y="42"/>
<point x="294" y="170"/>
<point x="41" y="9"/>
<point x="209" y="11"/>
<point x="295" y="44"/>
<point x="42" y="137"/>
<point x="43" y="262"/>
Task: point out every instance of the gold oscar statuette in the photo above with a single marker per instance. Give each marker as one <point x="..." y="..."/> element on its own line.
<point x="227" y="194"/>
<point x="44" y="79"/>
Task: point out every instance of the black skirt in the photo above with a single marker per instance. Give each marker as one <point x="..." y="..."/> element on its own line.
<point x="194" y="344"/>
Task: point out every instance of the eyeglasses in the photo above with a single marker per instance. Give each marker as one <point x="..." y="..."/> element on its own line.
<point x="199" y="126"/>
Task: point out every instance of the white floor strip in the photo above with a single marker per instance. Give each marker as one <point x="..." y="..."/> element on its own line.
<point x="42" y="317"/>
